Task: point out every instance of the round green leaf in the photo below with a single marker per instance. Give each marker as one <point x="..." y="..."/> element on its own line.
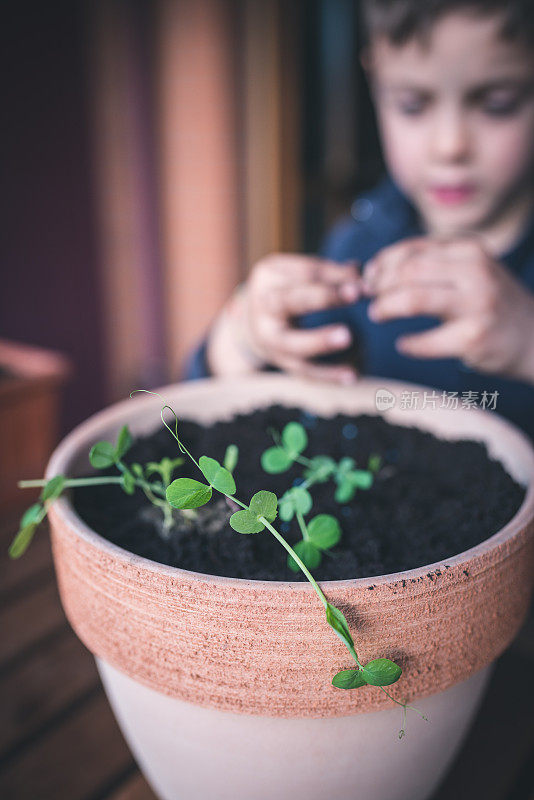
<point x="360" y="478"/>
<point x="216" y="475"/>
<point x="22" y="540"/>
<point x="345" y="492"/>
<point x="286" y="509"/>
<point x="246" y="522"/>
<point x="53" y="488"/>
<point x="294" y="438"/>
<point x="324" y="531"/>
<point x="32" y="514"/>
<point x="321" y="469"/>
<point x="102" y="455"/>
<point x="295" y="499"/>
<point x="309" y="554"/>
<point x="124" y="442"/>
<point x="188" y="493"/>
<point x="263" y="504"/>
<point x="381" y="672"/>
<point x="275" y="460"/>
<point x="128" y="482"/>
<point x="349" y="679"/>
<point x="337" y="621"/>
<point x="302" y="499"/>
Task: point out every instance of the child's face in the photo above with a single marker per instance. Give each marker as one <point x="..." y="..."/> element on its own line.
<point x="457" y="121"/>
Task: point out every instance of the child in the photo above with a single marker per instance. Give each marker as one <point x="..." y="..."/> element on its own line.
<point x="433" y="277"/>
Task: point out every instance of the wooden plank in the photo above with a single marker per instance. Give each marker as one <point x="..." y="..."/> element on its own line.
<point x="124" y="177"/>
<point x="31" y="618"/>
<point x="42" y="687"/>
<point x="74" y="760"/>
<point x="291" y="21"/>
<point x="199" y="169"/>
<point x="136" y="788"/>
<point x="25" y="571"/>
<point x="271" y="128"/>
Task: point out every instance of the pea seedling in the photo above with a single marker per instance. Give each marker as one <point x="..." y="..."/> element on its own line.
<point x="323" y="531"/>
<point x="102" y="455"/>
<point x="187" y="495"/>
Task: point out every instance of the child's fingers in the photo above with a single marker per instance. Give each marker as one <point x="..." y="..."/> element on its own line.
<point x="463" y="263"/>
<point x="330" y="272"/>
<point x="462" y="260"/>
<point x="450" y="340"/>
<point x="307" y="297"/>
<point x="303" y="344"/>
<point x="289" y="268"/>
<point x="420" y="268"/>
<point x="387" y="261"/>
<point x="433" y="299"/>
<point x="337" y="373"/>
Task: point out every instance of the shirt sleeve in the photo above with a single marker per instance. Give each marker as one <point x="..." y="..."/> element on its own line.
<point x="339" y="242"/>
<point x="197" y="364"/>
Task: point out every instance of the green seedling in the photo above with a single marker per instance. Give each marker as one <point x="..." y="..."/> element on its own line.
<point x="288" y="450"/>
<point x="102" y="455"/>
<point x="318" y="535"/>
<point x="348" y="479"/>
<point x="164" y="468"/>
<point x="297" y="501"/>
<point x="231" y="457"/>
<point x="374" y="464"/>
<point x="258" y="516"/>
<point x="187" y="494"/>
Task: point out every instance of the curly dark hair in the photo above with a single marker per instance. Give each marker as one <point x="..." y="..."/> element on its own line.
<point x="402" y="20"/>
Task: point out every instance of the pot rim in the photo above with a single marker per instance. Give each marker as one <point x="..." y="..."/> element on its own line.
<point x="69" y="447"/>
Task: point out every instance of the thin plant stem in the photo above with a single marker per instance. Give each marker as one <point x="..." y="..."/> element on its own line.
<point x="302" y="526"/>
<point x="304" y="461"/>
<point x="293" y="555"/>
<point x="71" y="482"/>
<point x="352" y="651"/>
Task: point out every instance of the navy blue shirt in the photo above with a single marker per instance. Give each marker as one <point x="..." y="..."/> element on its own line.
<point x="378" y="219"/>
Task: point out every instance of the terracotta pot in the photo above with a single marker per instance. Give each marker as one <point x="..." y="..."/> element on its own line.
<point x="222" y="686"/>
<point x="30" y="383"/>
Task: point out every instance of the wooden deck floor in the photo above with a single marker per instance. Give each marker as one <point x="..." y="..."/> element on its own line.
<point x="59" y="739"/>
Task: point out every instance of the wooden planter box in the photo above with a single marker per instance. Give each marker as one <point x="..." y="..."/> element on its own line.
<point x="30" y="384"/>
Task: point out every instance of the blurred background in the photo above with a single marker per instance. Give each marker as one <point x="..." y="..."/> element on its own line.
<point x="152" y="151"/>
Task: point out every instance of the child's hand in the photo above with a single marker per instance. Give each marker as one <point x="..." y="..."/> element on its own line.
<point x="256" y="326"/>
<point x="488" y="315"/>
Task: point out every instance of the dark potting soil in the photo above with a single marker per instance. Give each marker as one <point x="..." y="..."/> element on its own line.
<point x="431" y="499"/>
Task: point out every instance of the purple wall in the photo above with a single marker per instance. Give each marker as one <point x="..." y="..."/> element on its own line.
<point x="49" y="259"/>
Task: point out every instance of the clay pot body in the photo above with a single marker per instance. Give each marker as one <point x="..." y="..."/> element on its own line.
<point x="222" y="686"/>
